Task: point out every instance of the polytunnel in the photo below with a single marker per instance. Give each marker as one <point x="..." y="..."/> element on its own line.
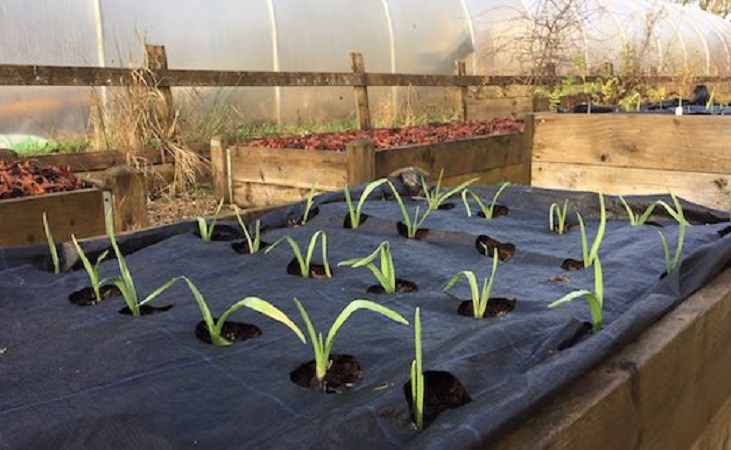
<point x="496" y="37"/>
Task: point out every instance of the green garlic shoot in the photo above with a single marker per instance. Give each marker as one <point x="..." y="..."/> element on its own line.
<point x="304" y="263"/>
<point x="308" y="204"/>
<point x="595" y="299"/>
<point x="356" y="212"/>
<point x="255" y="242"/>
<point x="417" y="375"/>
<point x="322" y="346"/>
<point x="436" y="197"/>
<point x="386" y="275"/>
<point x="487" y="211"/>
<point x="558" y="225"/>
<point x="215" y="327"/>
<point x="479" y="298"/>
<point x="634" y="219"/>
<point x="124" y="282"/>
<point x="206" y="230"/>
<point x="672" y="263"/>
<point x="51" y="245"/>
<point x="589" y="256"/>
<point x="675" y="211"/>
<point x="91" y="270"/>
<point x="411" y="226"/>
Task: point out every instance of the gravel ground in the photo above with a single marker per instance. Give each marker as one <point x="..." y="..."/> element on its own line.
<point x="182" y="206"/>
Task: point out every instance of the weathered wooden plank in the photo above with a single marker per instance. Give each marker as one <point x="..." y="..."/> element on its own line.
<point x="79" y="212"/>
<point x="360" y="162"/>
<point x="220" y="168"/>
<point x="514" y="173"/>
<point x="254" y="195"/>
<point x="455" y="157"/>
<point x="36" y="75"/>
<point x="683" y="143"/>
<point x="362" y="108"/>
<point x="661" y="391"/>
<point x="289" y="167"/>
<point x="718" y="433"/>
<point x="709" y="189"/>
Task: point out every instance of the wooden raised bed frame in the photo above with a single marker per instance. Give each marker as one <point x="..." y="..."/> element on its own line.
<point x="668" y="389"/>
<point x="253" y="176"/>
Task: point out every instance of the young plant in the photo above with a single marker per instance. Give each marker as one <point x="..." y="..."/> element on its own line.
<point x="124" y="281"/>
<point x="595" y="299"/>
<point x="411" y="226"/>
<point x="215" y="327"/>
<point x="634" y="219"/>
<point x="487" y="211"/>
<point x="322" y="347"/>
<point x="675" y="211"/>
<point x="417" y="375"/>
<point x="386" y="275"/>
<point x="308" y="204"/>
<point x="436" y="197"/>
<point x="304" y="263"/>
<point x="255" y="242"/>
<point x="356" y="212"/>
<point x="678" y="214"/>
<point x="206" y="230"/>
<point x="91" y="270"/>
<point x="558" y="225"/>
<point x="51" y="245"/>
<point x="479" y="298"/>
<point x="590" y="255"/>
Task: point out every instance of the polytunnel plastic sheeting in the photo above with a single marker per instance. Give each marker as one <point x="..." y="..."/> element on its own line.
<point x="90" y="378"/>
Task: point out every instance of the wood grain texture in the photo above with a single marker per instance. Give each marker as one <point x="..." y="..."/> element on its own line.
<point x="495" y="108"/>
<point x="515" y="173"/>
<point x="709" y="189"/>
<point x="78" y="212"/>
<point x="660" y="392"/>
<point x="455" y="157"/>
<point x="254" y="195"/>
<point x="361" y="162"/>
<point x="289" y="167"/>
<point x="662" y="142"/>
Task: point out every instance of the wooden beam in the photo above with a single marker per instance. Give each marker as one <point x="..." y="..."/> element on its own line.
<point x="156" y="61"/>
<point x="360" y="92"/>
<point x="461" y="69"/>
<point x="360" y="162"/>
<point x="220" y="168"/>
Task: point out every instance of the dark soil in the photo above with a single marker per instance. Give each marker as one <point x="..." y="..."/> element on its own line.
<point x="446" y="206"/>
<point x="242" y="247"/>
<point x="223" y="233"/>
<point x="347" y="223"/>
<point x="316" y="270"/>
<point x="442" y="391"/>
<point x="232" y="331"/>
<point x="487" y="246"/>
<point x="496" y="307"/>
<point x="499" y="210"/>
<point x="297" y="221"/>
<point x="421" y="233"/>
<point x="86" y="297"/>
<point x="402" y="286"/>
<point x="572" y="264"/>
<point x="343" y="373"/>
<point x="147" y="310"/>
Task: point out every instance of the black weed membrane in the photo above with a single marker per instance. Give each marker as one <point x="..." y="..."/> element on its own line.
<point x="82" y="375"/>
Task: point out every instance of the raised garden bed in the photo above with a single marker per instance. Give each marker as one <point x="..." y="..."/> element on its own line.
<point x="256" y="176"/>
<point x="28" y="188"/>
<point x="150" y="381"/>
<point x="634" y="154"/>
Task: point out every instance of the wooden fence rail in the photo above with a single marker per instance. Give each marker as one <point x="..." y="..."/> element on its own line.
<point x="155" y="74"/>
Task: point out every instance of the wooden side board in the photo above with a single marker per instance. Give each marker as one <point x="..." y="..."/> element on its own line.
<point x="78" y="212"/>
<point x="634" y="154"/>
<point x="260" y="176"/>
<point x="669" y="389"/>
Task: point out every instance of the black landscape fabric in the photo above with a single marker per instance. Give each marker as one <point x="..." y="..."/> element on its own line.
<point x="88" y="377"/>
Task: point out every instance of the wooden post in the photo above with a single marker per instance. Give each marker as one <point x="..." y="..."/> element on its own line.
<point x="527" y="151"/>
<point x="220" y="167"/>
<point x="361" y="161"/>
<point x="129" y="197"/>
<point x="155" y="61"/>
<point x="362" y="108"/>
<point x="461" y="69"/>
